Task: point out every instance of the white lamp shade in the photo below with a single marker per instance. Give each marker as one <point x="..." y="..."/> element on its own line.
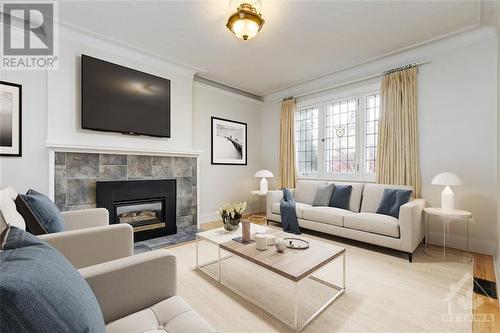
<point x="447" y="178"/>
<point x="263" y="174"/>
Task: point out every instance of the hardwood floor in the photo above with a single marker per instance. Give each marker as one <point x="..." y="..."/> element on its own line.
<point x="486" y="310"/>
<point x="483" y="267"/>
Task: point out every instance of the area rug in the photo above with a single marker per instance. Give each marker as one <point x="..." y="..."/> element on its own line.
<point x="384" y="292"/>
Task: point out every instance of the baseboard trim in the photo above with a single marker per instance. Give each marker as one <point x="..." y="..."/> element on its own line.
<point x="206" y="218"/>
<point x="459" y="242"/>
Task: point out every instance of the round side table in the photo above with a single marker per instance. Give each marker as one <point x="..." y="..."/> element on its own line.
<point x="446" y="216"/>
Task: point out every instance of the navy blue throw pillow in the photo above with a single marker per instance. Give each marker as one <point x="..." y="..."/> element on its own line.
<point x="341" y="196"/>
<point x="40" y="213"/>
<point x="41" y="291"/>
<point x="392" y="200"/>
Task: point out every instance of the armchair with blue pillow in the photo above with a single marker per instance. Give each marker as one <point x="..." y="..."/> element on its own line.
<point x="113" y="291"/>
<point x="84" y="237"/>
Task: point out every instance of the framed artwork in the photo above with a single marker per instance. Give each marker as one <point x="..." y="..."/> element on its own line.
<point x="10" y="119"/>
<point x="229" y="142"/>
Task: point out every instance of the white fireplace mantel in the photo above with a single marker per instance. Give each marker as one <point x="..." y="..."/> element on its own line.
<point x="120" y="150"/>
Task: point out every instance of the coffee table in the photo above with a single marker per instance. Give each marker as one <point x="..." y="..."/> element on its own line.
<point x="294" y="265"/>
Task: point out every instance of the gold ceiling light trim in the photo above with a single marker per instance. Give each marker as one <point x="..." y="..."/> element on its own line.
<point x="246" y="22"/>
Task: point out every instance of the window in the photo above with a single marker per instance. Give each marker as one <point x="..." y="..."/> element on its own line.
<point x="306" y="140"/>
<point x="340" y="136"/>
<point x="337" y="137"/>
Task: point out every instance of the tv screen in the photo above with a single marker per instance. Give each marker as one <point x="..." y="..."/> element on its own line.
<point x="124" y="100"/>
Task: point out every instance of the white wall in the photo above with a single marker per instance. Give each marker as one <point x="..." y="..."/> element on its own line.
<point x="30" y="170"/>
<point x="63" y="99"/>
<point x="457" y="118"/>
<point x="225" y="183"/>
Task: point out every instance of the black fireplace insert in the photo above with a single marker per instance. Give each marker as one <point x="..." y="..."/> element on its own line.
<point x="149" y="206"/>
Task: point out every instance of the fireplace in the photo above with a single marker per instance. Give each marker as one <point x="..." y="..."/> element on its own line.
<point x="149" y="206"/>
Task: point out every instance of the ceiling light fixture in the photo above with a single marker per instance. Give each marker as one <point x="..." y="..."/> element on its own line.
<point x="246" y="22"/>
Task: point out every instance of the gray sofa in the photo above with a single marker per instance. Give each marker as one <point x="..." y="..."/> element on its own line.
<point x="360" y="222"/>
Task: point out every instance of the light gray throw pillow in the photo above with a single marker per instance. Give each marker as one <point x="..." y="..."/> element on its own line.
<point x="323" y="195"/>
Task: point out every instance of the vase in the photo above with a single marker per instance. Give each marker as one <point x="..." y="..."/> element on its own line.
<point x="230" y="224"/>
<point x="245" y="232"/>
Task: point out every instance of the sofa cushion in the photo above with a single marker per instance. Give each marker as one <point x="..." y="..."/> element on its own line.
<point x="299" y="207"/>
<point x="356" y="193"/>
<point x="41" y="291"/>
<point x="323" y="195"/>
<point x="341" y="196"/>
<point x="374" y="223"/>
<point x="372" y="195"/>
<point x="40" y="213"/>
<point x="327" y="215"/>
<point x="172" y="315"/>
<point x="306" y="190"/>
<point x="8" y="208"/>
<point x="392" y="200"/>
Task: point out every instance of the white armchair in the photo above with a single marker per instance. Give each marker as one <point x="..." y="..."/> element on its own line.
<point x="89" y="239"/>
<point x="139" y="294"/>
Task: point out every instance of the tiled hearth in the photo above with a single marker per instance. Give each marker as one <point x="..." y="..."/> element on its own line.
<point x="75" y="177"/>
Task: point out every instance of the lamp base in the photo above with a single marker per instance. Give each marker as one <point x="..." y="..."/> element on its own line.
<point x="447" y="200"/>
<point x="263" y="185"/>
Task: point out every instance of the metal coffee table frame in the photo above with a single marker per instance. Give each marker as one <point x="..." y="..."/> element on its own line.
<point x="340" y="289"/>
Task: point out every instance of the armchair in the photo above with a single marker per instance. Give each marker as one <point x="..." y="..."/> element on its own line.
<point x="138" y="294"/>
<point x="88" y="239"/>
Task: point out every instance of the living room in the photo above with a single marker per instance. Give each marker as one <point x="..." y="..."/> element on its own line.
<point x="258" y="121"/>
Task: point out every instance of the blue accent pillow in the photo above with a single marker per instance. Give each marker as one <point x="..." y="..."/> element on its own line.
<point x="40" y="213"/>
<point x="41" y="291"/>
<point x="392" y="200"/>
<point x="341" y="196"/>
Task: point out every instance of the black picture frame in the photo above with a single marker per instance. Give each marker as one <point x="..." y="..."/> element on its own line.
<point x="215" y="148"/>
<point x="15" y="150"/>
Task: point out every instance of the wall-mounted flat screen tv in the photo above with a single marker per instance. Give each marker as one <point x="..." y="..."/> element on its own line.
<point x="120" y="99"/>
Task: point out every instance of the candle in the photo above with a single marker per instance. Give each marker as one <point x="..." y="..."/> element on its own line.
<point x="261" y="242"/>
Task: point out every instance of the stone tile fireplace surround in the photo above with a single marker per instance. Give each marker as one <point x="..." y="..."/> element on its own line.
<point x="76" y="174"/>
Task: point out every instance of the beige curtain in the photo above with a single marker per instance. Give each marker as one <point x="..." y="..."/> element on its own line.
<point x="287" y="168"/>
<point x="397" y="149"/>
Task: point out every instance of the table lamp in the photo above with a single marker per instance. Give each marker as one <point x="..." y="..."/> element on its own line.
<point x="447" y="197"/>
<point x="263" y="182"/>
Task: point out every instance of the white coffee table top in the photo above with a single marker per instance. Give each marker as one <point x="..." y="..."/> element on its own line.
<point x="220" y="235"/>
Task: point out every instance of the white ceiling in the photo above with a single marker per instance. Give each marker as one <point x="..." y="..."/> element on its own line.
<point x="301" y="40"/>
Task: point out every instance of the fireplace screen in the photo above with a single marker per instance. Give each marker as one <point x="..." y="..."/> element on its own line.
<point x="142" y="215"/>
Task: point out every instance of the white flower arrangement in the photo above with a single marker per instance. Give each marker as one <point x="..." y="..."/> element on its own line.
<point x="233" y="210"/>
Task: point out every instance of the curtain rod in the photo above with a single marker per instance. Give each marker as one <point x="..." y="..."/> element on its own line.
<point x="415" y="64"/>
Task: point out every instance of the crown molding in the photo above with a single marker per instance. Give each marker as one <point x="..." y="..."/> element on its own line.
<point x="223" y="86"/>
<point x="227" y="92"/>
